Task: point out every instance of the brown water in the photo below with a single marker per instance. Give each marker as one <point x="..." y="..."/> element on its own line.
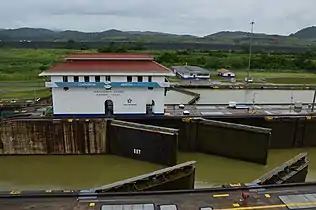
<point x="82" y="172"/>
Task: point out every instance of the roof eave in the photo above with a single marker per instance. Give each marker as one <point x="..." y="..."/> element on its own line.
<point x="109" y="59"/>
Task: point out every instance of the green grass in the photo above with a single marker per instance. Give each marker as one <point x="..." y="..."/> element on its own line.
<point x="243" y="74"/>
<point x="19" y="69"/>
<point x="26" y="94"/>
<point x="291" y="80"/>
<point x="26" y="64"/>
<point x="281" y="77"/>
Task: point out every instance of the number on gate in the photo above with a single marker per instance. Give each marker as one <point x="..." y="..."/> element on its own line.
<point x="137" y="151"/>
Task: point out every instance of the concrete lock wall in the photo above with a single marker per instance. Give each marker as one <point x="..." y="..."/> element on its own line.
<point x="47" y="136"/>
<point x="242" y="142"/>
<point x="143" y="142"/>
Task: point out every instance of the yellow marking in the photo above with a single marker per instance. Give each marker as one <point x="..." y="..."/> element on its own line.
<point x="15" y="192"/>
<point x="220" y="195"/>
<point x="308" y="117"/>
<point x="236" y="205"/>
<point x="186" y="120"/>
<point x="215" y="87"/>
<point x="91" y="204"/>
<point x="70" y="120"/>
<point x="235" y="185"/>
<point x="272" y="206"/>
<point x="267" y="195"/>
<point x="67" y="191"/>
<point x="269" y="118"/>
<point x="48" y="191"/>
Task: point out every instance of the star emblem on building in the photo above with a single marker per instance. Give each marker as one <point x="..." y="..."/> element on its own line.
<point x="129" y="101"/>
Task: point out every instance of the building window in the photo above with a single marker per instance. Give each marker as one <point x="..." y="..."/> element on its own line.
<point x="140" y="79"/>
<point x="65" y="79"/>
<point x="86" y="79"/>
<point x="129" y="78"/>
<point x="107" y="78"/>
<point x="76" y="78"/>
<point x="97" y="79"/>
<point x="149" y="78"/>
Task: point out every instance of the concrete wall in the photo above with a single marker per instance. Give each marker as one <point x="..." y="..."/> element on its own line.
<point x="113" y="79"/>
<point x="27" y="137"/>
<point x="143" y="142"/>
<point x="91" y="101"/>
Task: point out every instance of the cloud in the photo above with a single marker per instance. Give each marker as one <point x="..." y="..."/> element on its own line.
<point x="198" y="17"/>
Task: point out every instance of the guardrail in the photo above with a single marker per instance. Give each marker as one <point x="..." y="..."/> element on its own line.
<point x="77" y="193"/>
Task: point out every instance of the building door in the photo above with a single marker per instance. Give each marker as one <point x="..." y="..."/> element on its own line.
<point x="108" y="107"/>
<point x="149" y="107"/>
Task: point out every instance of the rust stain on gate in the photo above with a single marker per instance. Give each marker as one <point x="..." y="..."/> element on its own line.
<point x="47" y="136"/>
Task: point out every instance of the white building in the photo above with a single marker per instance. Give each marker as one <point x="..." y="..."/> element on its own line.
<point x="191" y="72"/>
<point x="98" y="84"/>
<point x="225" y="73"/>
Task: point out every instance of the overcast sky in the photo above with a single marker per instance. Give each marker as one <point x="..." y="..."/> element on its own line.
<point x="197" y="17"/>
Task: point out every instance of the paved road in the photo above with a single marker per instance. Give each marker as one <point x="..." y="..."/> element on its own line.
<point x="209" y="110"/>
<point x="279" y="197"/>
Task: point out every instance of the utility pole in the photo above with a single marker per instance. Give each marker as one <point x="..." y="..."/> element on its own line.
<point x="292" y="100"/>
<point x="313" y="105"/>
<point x="250" y="49"/>
<point x="254" y="101"/>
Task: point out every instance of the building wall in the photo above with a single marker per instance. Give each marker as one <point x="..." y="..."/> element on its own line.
<point x="113" y="79"/>
<point x="91" y="100"/>
<point x="194" y="75"/>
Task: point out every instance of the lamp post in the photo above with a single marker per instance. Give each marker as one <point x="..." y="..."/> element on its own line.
<point x="292" y="100"/>
<point x="250" y="50"/>
<point x="313" y="105"/>
<point x="254" y="101"/>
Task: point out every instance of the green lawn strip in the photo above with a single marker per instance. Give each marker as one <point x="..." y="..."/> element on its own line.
<point x="25" y="94"/>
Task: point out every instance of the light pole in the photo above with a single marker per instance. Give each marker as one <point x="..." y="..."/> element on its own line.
<point x="250" y="50"/>
<point x="292" y="100"/>
<point x="313" y="105"/>
<point x="254" y="101"/>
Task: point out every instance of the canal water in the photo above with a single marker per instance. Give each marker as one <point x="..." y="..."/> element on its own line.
<point x="222" y="96"/>
<point x="82" y="172"/>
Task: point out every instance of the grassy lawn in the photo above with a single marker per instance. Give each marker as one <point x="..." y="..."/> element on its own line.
<point x="26" y="64"/>
<point x="291" y="80"/>
<point x="19" y="69"/>
<point x="25" y="94"/>
<point x="281" y="77"/>
<point x="242" y="75"/>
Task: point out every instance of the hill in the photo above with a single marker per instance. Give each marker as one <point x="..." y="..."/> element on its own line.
<point x="301" y="38"/>
<point x="306" y="33"/>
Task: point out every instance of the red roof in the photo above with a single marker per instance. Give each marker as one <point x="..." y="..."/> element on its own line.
<point x="109" y="56"/>
<point x="223" y="71"/>
<point x="109" y="66"/>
